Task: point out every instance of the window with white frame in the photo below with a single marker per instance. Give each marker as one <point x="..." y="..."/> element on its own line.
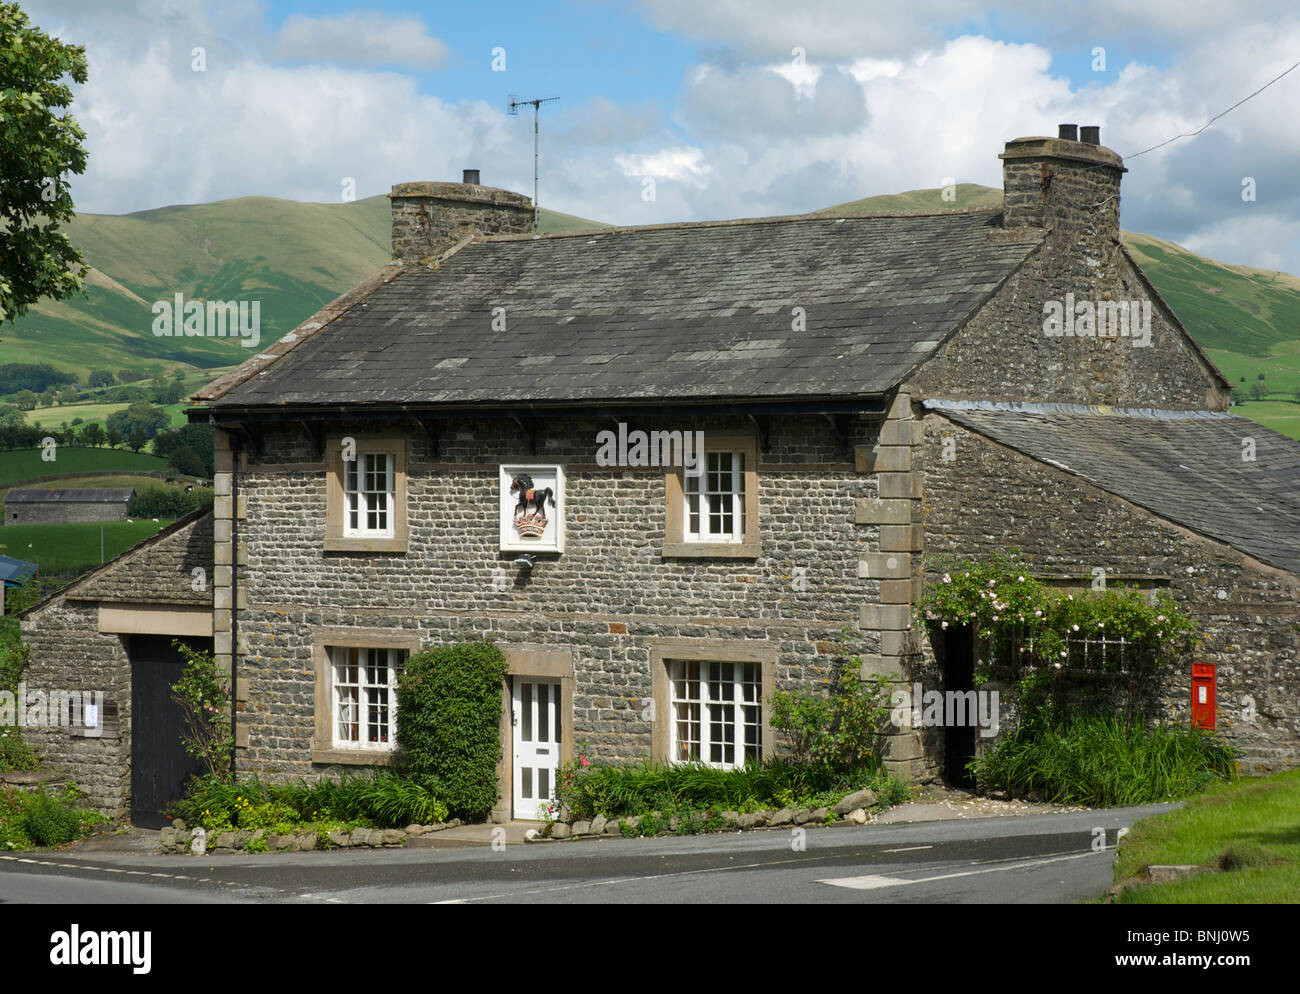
<point x="364" y="685"/>
<point x="716" y="712"/>
<point x="369" y="488"/>
<point x="715" y="499"/>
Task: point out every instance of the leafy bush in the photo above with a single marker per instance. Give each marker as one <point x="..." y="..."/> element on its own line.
<point x="1104" y="761"/>
<point x="15" y="754"/>
<point x="380" y="800"/>
<point x="168" y="502"/>
<point x="51" y="820"/>
<point x="615" y="791"/>
<point x="840" y="731"/>
<point x="448" y="715"/>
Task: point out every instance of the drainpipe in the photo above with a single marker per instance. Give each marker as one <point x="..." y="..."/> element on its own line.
<point x="234" y="600"/>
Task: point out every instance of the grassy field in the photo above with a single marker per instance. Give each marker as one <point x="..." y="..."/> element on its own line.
<point x="26" y="464"/>
<point x="54" y="417"/>
<point x="1281" y="369"/>
<point x="1250" y="827"/>
<point x="1282" y="416"/>
<point x="62" y="547"/>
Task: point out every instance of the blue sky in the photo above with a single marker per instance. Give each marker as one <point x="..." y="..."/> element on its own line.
<point x="731" y="108"/>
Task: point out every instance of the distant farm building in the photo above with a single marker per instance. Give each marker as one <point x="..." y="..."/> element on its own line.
<point x="61" y="507"/>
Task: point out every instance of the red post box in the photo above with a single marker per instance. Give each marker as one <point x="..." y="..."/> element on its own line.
<point x="1203" y="680"/>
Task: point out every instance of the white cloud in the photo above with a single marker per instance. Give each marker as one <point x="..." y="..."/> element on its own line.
<point x="679" y="165"/>
<point x="360" y="40"/>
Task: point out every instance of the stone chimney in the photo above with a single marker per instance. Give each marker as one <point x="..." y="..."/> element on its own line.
<point x="429" y="218"/>
<point x="1066" y="185"/>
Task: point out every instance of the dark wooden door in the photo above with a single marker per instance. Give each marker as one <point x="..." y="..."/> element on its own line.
<point x="159" y="763"/>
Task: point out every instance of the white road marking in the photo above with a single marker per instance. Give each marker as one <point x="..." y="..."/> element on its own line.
<point x="873" y="881"/>
<point x="908" y="849"/>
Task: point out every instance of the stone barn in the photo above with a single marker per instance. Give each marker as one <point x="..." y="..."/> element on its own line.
<point x="667" y="467"/>
<point x="68" y="506"/>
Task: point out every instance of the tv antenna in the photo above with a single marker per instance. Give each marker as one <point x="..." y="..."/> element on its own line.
<point x="512" y="106"/>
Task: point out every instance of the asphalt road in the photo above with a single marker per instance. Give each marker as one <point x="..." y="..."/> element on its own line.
<point x="1040" y="859"/>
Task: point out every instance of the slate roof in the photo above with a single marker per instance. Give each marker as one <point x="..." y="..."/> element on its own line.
<point x="681" y="312"/>
<point x="1186" y="467"/>
<point x="72" y="495"/>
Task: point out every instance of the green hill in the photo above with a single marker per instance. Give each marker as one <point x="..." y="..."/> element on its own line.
<point x="292" y="257"/>
<point x="966" y="196"/>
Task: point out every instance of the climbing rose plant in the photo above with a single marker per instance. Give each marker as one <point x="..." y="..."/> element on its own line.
<point x="1046" y="627"/>
<point x="203" y="694"/>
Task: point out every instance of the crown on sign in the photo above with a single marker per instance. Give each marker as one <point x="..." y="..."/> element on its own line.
<point x="530" y="525"/>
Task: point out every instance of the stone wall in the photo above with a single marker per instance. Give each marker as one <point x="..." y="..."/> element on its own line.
<point x="608" y="597"/>
<point x="1003" y="353"/>
<point x="990" y="498"/>
<point x="69" y="653"/>
<point x="163" y="573"/>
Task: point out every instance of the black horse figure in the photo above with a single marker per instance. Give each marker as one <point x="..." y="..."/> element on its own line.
<point x="528" y="494"/>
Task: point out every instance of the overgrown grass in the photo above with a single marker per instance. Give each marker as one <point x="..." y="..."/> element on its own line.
<point x="381" y="800"/>
<point x="616" y="791"/>
<point x="29" y="820"/>
<point x="1105" y="761"/>
<point x="1250" y="829"/>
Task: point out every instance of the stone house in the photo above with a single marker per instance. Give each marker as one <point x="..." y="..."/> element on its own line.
<point x="50" y="506"/>
<point x="495" y="436"/>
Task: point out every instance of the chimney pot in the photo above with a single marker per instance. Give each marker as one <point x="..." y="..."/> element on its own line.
<point x="1070" y="132"/>
<point x="1090" y="134"/>
<point x="471" y="176"/>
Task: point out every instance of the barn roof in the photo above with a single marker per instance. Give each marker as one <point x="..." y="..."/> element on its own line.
<point x="72" y="495"/>
<point x="1216" y="474"/>
<point x="671" y="313"/>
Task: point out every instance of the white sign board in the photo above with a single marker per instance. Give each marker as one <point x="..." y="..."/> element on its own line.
<point x="532" y="508"/>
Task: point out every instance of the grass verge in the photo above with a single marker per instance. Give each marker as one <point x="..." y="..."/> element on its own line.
<point x="1249" y="829"/>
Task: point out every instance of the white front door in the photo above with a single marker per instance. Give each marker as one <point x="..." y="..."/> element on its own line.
<point x="537" y="743"/>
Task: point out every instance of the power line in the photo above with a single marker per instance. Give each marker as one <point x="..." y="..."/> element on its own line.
<point x="1193" y="134"/>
